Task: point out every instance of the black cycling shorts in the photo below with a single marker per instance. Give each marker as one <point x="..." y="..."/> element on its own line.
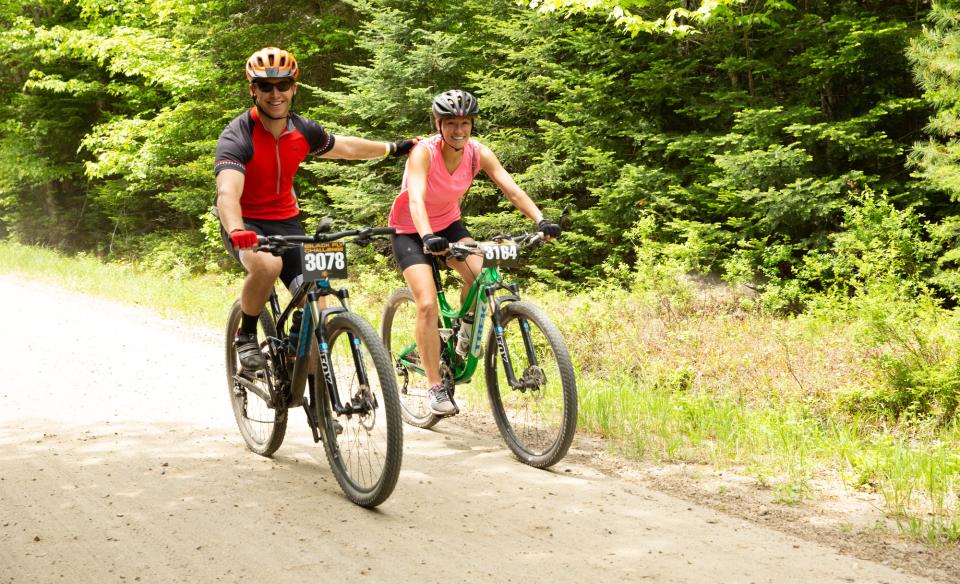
<point x="408" y="247"/>
<point x="292" y="266"/>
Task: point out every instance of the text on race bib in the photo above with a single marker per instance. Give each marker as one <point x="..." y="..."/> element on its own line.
<point x="324" y="260"/>
<point x="499" y="253"/>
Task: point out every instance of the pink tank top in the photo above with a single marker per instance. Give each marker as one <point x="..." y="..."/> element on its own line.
<point x="444" y="189"/>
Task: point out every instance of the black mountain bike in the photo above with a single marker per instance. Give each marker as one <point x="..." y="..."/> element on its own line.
<point x="352" y="403"/>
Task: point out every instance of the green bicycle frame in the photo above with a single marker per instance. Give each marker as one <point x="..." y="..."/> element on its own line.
<point x="480" y="301"/>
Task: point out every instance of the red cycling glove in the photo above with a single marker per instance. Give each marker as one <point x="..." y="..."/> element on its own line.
<point x="243" y="238"/>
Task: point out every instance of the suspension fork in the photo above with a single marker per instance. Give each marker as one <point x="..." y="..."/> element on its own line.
<point x="527" y="341"/>
<point x="497" y="323"/>
<point x="317" y="319"/>
<point x="502" y="341"/>
<point x="358" y="361"/>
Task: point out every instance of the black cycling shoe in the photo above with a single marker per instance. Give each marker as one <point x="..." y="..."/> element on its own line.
<point x="248" y="349"/>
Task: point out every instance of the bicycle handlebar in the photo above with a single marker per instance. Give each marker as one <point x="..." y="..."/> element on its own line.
<point x="460" y="250"/>
<point x="277" y="244"/>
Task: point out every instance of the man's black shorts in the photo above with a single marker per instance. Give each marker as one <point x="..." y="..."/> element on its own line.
<point x="292" y="266"/>
<point x="408" y="247"/>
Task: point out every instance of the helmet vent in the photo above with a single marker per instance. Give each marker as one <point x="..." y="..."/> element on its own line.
<point x="455" y="103"/>
<point x="271" y="63"/>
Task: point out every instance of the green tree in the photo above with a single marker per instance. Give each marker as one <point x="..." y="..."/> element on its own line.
<point x="116" y="106"/>
<point x="935" y="55"/>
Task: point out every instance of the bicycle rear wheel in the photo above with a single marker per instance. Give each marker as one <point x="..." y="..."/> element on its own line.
<point x="364" y="448"/>
<point x="397" y="329"/>
<point x="538" y="419"/>
<point x="262" y="426"/>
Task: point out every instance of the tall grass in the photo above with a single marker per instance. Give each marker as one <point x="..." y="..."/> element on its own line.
<point x="689" y="375"/>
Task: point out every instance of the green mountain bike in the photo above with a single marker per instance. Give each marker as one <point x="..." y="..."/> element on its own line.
<point x="529" y="375"/>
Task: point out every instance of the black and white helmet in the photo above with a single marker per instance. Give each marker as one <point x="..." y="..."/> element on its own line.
<point x="455" y="103"/>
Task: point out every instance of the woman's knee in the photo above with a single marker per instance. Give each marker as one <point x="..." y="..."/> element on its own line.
<point x="427" y="308"/>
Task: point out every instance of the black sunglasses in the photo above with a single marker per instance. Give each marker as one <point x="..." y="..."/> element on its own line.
<point x="267" y="87"/>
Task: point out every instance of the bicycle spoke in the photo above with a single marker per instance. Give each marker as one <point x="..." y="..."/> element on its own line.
<point x="399" y="324"/>
<point x="262" y="427"/>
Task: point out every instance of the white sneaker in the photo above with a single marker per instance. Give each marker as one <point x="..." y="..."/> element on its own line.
<point x="440" y="402"/>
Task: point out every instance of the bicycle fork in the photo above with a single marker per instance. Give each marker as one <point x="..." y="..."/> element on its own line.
<point x="526" y="382"/>
<point x="317" y="330"/>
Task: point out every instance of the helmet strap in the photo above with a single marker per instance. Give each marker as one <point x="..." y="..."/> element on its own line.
<point x="452" y="147"/>
<point x="268" y="116"/>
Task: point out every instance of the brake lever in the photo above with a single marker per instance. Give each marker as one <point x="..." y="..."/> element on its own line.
<point x="275" y="245"/>
<point x="533" y="240"/>
<point x="460" y="252"/>
<point x="324" y="225"/>
<point x="277" y="249"/>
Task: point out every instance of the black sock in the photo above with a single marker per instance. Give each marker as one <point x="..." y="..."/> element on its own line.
<point x="248" y="326"/>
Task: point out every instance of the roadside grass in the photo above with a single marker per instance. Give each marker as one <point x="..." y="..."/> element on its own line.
<point x="688" y="376"/>
<point x="201" y="301"/>
<point x="197" y="300"/>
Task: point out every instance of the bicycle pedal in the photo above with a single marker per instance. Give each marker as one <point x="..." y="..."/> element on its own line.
<point x="456" y="410"/>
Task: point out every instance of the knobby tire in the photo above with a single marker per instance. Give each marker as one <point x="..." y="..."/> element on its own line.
<point x="262" y="434"/>
<point x="366" y="454"/>
<point x="397" y="330"/>
<point x="538" y="425"/>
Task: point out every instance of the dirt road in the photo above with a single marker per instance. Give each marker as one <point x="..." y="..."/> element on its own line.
<point x="120" y="462"/>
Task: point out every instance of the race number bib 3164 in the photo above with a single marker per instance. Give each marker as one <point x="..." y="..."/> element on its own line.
<point x="502" y="253"/>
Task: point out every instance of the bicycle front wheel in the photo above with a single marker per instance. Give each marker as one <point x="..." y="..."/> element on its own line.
<point x="538" y="417"/>
<point x="261" y="424"/>
<point x="398" y="327"/>
<point x="364" y="444"/>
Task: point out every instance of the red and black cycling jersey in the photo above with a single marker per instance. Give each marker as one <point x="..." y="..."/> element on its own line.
<point x="269" y="163"/>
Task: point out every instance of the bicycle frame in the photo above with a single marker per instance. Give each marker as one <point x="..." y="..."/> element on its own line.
<point x="481" y="298"/>
<point x="313" y="327"/>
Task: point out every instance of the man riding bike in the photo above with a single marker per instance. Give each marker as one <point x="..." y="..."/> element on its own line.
<point x="257" y="156"/>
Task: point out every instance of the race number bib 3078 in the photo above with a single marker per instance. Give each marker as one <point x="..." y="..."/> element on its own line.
<point x="503" y="253"/>
<point x="324" y="260"/>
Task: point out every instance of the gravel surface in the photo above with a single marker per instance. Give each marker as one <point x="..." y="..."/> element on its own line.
<point x="120" y="462"/>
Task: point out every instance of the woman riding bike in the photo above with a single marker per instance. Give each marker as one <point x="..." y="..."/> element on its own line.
<point x="426" y="216"/>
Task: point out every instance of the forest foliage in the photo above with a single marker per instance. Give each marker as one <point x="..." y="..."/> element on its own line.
<point x="799" y="147"/>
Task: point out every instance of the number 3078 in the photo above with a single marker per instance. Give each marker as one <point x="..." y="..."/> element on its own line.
<point x="324" y="261"/>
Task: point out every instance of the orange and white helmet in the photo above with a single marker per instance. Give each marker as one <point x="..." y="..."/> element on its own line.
<point x="271" y="63"/>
